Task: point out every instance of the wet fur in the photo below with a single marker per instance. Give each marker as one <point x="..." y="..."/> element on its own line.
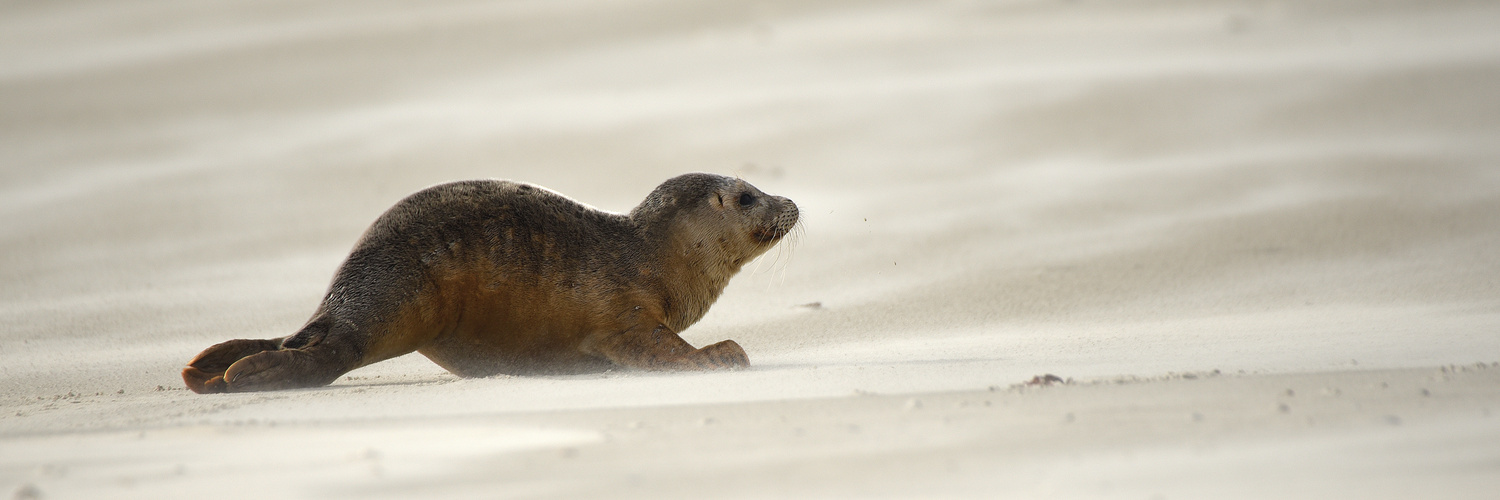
<point x="488" y="276"/>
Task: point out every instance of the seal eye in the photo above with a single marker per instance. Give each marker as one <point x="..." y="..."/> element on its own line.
<point x="747" y="199"/>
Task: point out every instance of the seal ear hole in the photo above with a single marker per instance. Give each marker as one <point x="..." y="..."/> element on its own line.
<point x="747" y="199"/>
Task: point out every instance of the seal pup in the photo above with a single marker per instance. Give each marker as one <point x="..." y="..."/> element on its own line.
<point x="486" y="277"/>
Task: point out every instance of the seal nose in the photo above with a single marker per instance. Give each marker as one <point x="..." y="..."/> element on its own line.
<point x="789" y="210"/>
<point x="787" y="218"/>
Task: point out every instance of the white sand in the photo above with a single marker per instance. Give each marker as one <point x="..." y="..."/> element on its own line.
<point x="1302" y="197"/>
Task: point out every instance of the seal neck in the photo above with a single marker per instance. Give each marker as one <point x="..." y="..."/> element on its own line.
<point x="693" y="275"/>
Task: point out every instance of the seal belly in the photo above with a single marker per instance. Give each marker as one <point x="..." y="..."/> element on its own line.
<point x="517" y="328"/>
<point x="503" y="338"/>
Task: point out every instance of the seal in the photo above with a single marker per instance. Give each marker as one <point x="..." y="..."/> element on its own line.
<point x="489" y="277"/>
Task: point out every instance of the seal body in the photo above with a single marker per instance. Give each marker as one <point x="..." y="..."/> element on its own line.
<point x="488" y="276"/>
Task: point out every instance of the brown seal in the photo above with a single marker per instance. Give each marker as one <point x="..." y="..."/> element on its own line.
<point x="488" y="276"/>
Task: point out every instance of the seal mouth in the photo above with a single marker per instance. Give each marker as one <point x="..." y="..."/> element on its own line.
<point x="770" y="235"/>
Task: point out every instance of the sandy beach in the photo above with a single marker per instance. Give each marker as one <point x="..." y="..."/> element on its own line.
<point x="1257" y="241"/>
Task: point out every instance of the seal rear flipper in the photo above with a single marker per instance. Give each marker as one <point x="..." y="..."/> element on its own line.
<point x="205" y="373"/>
<point x="203" y="382"/>
<point x="283" y="369"/>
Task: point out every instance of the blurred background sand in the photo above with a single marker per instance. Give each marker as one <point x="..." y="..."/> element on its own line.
<point x="991" y="190"/>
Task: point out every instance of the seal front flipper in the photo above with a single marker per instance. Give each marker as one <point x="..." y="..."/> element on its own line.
<point x="661" y="349"/>
<point x="725" y="354"/>
<point x="205" y="373"/>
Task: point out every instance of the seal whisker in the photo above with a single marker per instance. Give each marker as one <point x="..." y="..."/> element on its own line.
<point x="795" y="238"/>
<point x="785" y="248"/>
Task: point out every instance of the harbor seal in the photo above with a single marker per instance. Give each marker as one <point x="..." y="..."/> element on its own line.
<point x="489" y="277"/>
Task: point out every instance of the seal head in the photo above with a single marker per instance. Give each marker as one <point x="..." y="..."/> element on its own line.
<point x="709" y="226"/>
